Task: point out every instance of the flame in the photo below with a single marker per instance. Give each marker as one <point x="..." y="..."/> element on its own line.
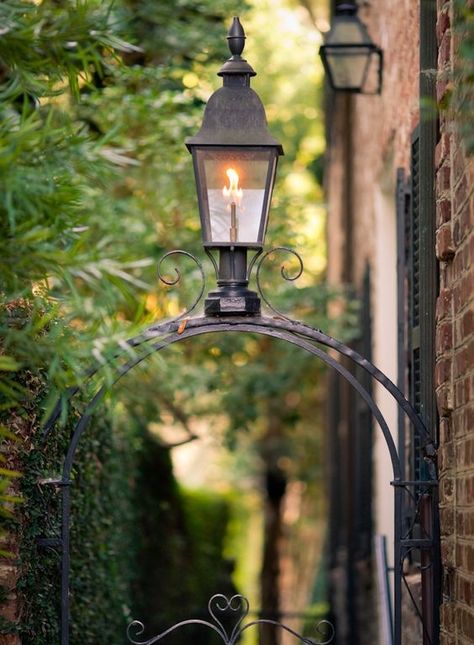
<point x="233" y="192"/>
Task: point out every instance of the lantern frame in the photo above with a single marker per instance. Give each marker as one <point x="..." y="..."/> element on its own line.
<point x="348" y="13"/>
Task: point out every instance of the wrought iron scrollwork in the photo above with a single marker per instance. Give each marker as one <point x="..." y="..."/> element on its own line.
<point x="220" y="607"/>
<point x="283" y="272"/>
<point x="421" y="496"/>
<point x="417" y="549"/>
<point x="177" y="279"/>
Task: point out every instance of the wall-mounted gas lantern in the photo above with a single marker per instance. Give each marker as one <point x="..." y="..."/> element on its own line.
<point x="235" y="159"/>
<point x="348" y="52"/>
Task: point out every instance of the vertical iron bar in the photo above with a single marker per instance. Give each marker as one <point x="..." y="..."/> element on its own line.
<point x="435" y="564"/>
<point x="428" y="264"/>
<point x="385" y="591"/>
<point x="65" y="563"/>
<point x="429" y="289"/>
<point x="427" y="562"/>
<point x="397" y="568"/>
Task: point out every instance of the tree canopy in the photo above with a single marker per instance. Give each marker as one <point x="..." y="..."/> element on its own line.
<point x="96" y="99"/>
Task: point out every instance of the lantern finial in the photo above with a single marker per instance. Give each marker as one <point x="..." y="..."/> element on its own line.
<point x="236" y="37"/>
<point x="236" y="65"/>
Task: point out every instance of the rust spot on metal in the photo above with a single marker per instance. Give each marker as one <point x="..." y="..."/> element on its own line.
<point x="182" y="326"/>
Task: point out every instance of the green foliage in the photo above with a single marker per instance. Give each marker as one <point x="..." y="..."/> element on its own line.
<point x="52" y="215"/>
<point x="102" y="545"/>
<point x="459" y="99"/>
<point x="90" y="159"/>
<point x="182" y="540"/>
<point x="464" y="75"/>
<point x="133" y="534"/>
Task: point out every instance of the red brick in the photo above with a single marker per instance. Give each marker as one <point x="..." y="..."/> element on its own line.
<point x="10" y="639"/>
<point x="8" y="576"/>
<point x="467" y="323"/>
<point x="465" y="450"/>
<point x="460" y="194"/>
<point x="459" y="165"/>
<point x="447" y="521"/>
<point x="465" y="590"/>
<point x="10" y="608"/>
<point x="442" y="371"/>
<point x="465" y="523"/>
<point x="444" y="337"/>
<point x="439" y="159"/>
<point x="461" y="394"/>
<point x="462" y="422"/>
<point x="465" y="497"/>
<point x="443" y="304"/>
<point x="462" y="291"/>
<point x="442" y="87"/>
<point x="465" y="620"/>
<point x="466" y="254"/>
<point x="448" y="552"/>
<point x="447" y="489"/>
<point x="458" y="265"/>
<point x="443" y="211"/>
<point x="444" y="398"/>
<point x="445" y="248"/>
<point x="461" y="363"/>
<point x="442" y="24"/>
<point x="443" y="179"/>
<point x="462" y="223"/>
<point x="447" y="611"/>
<point x="446" y="456"/>
<point x="444" y="51"/>
<point x="445" y="430"/>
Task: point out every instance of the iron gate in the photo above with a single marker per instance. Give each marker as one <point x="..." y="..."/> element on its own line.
<point x="422" y="495"/>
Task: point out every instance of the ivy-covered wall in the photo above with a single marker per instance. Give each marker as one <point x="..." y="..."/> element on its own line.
<point x="141" y="547"/>
<point x="102" y="541"/>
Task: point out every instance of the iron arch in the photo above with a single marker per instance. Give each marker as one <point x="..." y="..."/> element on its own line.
<point x="162" y="335"/>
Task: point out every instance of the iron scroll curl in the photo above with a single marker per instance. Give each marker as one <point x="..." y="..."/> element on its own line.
<point x="220" y="605"/>
<point x="177" y="279"/>
<point x="283" y="272"/>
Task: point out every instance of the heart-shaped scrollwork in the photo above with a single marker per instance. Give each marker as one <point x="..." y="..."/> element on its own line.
<point x="220" y="608"/>
<point x="220" y="604"/>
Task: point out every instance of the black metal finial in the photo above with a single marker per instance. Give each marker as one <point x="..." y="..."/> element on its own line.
<point x="236" y="37"/>
<point x="236" y="65"/>
<point x="345" y="8"/>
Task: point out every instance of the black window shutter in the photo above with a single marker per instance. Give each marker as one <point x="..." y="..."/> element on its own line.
<point x="414" y="296"/>
<point x="417" y="292"/>
<point x="428" y="287"/>
<point x="403" y="205"/>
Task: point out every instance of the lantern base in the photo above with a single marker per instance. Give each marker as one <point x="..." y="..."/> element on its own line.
<point x="232" y="297"/>
<point x="232" y="301"/>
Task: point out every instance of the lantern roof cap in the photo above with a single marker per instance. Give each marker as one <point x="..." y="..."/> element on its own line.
<point x="346" y="8"/>
<point x="234" y="114"/>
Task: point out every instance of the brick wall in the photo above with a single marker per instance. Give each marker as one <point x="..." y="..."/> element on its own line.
<point x="379" y="130"/>
<point x="455" y="348"/>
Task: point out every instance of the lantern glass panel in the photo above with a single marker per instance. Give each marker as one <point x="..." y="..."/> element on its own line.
<point x="348" y="66"/>
<point x="234" y="188"/>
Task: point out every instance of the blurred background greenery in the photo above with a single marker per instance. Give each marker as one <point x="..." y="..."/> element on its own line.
<point x="96" y="99"/>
